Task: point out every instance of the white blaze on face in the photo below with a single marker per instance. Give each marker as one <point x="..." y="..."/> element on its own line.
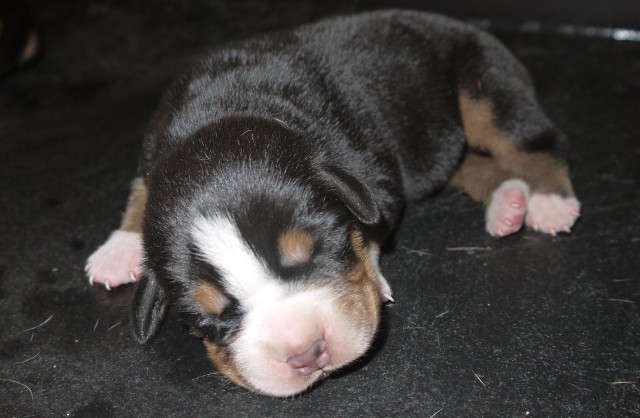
<point x="245" y="277"/>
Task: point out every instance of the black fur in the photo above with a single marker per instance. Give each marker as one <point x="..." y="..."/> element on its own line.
<point x="150" y="306"/>
<point x="327" y="127"/>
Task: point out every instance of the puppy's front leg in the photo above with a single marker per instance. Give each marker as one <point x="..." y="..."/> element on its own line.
<point x="119" y="260"/>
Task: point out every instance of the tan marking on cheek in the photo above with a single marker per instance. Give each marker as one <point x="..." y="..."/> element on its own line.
<point x="221" y="358"/>
<point x="295" y="246"/>
<point x="363" y="302"/>
<point x="365" y="263"/>
<point x="209" y="298"/>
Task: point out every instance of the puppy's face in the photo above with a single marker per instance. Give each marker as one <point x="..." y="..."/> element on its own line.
<point x="276" y="326"/>
<point x="261" y="250"/>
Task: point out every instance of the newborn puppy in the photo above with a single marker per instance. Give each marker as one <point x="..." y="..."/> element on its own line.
<point x="274" y="170"/>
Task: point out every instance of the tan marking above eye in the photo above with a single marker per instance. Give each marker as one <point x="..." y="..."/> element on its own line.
<point x="295" y="246"/>
<point x="209" y="298"/>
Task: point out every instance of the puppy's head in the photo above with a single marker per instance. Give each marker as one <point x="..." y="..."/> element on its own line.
<point x="274" y="274"/>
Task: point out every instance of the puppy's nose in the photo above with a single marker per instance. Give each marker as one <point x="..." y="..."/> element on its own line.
<point x="313" y="358"/>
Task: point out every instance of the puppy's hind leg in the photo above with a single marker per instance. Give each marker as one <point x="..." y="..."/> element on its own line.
<point x="525" y="160"/>
<point x="503" y="120"/>
<point x="505" y="196"/>
<point x="119" y="260"/>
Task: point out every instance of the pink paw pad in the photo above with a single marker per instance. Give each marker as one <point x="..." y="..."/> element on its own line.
<point x="506" y="211"/>
<point x="552" y="213"/>
<point x="118" y="261"/>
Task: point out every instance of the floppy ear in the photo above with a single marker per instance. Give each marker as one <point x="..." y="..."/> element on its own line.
<point x="353" y="193"/>
<point x="149" y="307"/>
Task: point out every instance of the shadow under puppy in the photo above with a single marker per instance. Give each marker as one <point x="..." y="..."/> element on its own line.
<point x="274" y="170"/>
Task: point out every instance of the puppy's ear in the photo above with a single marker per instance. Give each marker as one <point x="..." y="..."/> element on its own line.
<point x="149" y="307"/>
<point x="353" y="193"/>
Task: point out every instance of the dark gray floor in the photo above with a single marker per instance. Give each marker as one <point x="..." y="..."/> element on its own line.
<point x="525" y="326"/>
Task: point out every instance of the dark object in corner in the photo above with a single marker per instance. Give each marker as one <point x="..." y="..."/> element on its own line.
<point x="18" y="39"/>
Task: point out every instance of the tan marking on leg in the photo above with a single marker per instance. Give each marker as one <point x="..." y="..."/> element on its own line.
<point x="209" y="298"/>
<point x="134" y="213"/>
<point x="542" y="171"/>
<point x="478" y="122"/>
<point x="295" y="246"/>
<point x="479" y="176"/>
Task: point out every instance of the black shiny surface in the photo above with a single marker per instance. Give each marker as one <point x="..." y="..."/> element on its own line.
<point x="529" y="325"/>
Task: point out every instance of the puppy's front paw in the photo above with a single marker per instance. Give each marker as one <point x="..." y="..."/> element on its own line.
<point x="552" y="213"/>
<point x="506" y="211"/>
<point x="118" y="261"/>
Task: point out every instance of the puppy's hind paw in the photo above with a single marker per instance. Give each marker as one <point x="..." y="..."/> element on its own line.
<point x="552" y="213"/>
<point x="506" y="211"/>
<point x="118" y="261"/>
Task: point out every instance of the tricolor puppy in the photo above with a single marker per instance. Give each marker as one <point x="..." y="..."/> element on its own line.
<point x="274" y="170"/>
